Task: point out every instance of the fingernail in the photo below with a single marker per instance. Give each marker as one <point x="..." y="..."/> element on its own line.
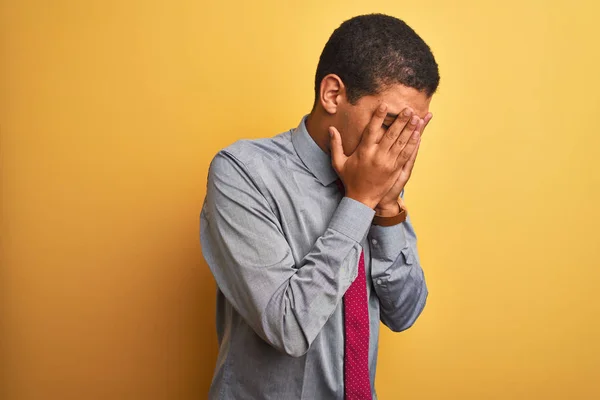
<point x="382" y="107"/>
<point x="407" y="112"/>
<point x="414" y="120"/>
<point x="330" y="132"/>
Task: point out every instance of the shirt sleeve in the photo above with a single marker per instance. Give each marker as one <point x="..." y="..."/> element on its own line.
<point x="397" y="275"/>
<point x="287" y="303"/>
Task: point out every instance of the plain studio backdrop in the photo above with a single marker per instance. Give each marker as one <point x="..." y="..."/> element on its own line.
<point x="110" y="112"/>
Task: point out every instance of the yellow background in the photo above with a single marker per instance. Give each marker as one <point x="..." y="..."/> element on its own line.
<point x="110" y="112"/>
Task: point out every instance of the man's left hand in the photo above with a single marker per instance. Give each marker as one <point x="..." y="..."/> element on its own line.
<point x="388" y="206"/>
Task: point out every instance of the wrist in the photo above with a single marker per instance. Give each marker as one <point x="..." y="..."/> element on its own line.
<point x="388" y="210"/>
<point x="368" y="202"/>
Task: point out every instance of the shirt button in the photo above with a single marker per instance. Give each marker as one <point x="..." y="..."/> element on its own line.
<point x="374" y="241"/>
<point x="379" y="281"/>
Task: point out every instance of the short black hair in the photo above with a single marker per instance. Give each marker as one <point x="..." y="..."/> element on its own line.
<point x="371" y="52"/>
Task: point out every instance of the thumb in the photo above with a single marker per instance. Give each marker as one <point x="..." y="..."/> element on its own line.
<point x="338" y="158"/>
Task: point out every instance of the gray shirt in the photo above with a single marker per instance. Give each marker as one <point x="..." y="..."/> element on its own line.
<point x="283" y="246"/>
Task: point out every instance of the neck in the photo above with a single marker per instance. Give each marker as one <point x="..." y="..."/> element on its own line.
<point x="317" y="127"/>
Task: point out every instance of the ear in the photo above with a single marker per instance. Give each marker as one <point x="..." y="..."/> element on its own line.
<point x="332" y="93"/>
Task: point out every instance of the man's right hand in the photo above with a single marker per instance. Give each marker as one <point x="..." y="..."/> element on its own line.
<point x="369" y="172"/>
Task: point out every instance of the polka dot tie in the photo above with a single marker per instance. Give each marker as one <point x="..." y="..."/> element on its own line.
<point x="357" y="381"/>
<point x="356" y="346"/>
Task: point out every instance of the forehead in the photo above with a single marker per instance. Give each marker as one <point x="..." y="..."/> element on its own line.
<point x="397" y="98"/>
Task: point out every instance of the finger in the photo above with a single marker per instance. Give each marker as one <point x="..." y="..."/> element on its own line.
<point x="411" y="161"/>
<point x="427" y="118"/>
<point x="392" y="133"/>
<point x="373" y="130"/>
<point x="411" y="144"/>
<point x="415" y="124"/>
<point x="338" y="158"/>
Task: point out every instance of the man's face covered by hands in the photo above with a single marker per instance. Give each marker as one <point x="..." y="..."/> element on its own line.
<point x="353" y="118"/>
<point x="375" y="141"/>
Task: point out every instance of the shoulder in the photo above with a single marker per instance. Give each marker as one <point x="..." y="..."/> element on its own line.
<point x="252" y="156"/>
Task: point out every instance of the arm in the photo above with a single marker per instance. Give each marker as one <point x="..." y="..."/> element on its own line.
<point x="397" y="275"/>
<point x="242" y="241"/>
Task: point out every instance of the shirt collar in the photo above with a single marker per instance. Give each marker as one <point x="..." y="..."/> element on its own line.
<point x="316" y="160"/>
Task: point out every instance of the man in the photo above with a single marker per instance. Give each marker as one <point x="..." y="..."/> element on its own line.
<point x="306" y="233"/>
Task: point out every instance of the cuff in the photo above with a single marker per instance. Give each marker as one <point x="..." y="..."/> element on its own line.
<point x="387" y="241"/>
<point x="353" y="219"/>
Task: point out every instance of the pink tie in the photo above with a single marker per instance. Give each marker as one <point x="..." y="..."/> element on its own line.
<point x="357" y="381"/>
<point x="356" y="321"/>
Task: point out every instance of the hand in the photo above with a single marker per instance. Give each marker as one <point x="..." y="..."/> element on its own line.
<point x="388" y="206"/>
<point x="375" y="166"/>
